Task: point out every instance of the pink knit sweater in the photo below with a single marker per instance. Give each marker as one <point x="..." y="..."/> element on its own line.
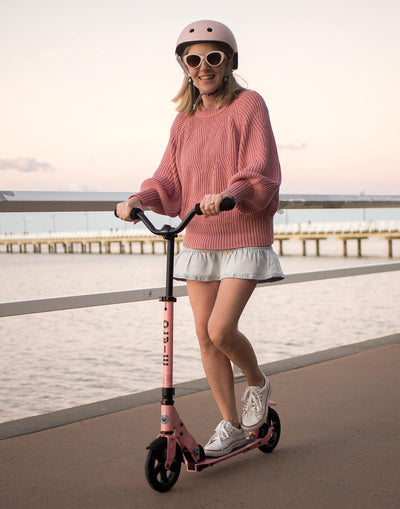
<point x="231" y="150"/>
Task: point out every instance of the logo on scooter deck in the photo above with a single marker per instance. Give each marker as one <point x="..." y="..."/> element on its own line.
<point x="164" y="419"/>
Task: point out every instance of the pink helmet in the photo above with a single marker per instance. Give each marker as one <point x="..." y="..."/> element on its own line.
<point x="206" y="31"/>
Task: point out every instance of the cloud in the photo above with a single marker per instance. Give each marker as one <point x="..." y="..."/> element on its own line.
<point x="25" y="164"/>
<point x="293" y="147"/>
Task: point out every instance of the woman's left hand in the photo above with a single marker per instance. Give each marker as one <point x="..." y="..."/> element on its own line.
<point x="210" y="204"/>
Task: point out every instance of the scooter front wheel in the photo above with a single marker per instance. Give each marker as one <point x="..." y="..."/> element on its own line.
<point x="159" y="478"/>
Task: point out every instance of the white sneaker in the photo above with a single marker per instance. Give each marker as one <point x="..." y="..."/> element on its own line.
<point x="225" y="438"/>
<point x="255" y="405"/>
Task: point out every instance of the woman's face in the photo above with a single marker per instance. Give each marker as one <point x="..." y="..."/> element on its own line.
<point x="206" y="78"/>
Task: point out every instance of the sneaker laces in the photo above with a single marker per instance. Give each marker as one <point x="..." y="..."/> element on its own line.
<point x="221" y="429"/>
<point x="252" y="400"/>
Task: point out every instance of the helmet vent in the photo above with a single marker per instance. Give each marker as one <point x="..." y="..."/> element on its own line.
<point x="191" y="30"/>
<point x="209" y="29"/>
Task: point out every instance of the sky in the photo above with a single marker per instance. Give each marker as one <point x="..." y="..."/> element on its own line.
<point x="86" y="89"/>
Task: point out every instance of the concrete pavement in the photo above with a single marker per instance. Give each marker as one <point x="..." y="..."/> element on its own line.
<point x="340" y="446"/>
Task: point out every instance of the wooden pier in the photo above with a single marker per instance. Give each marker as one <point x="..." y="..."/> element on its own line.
<point x="345" y="232"/>
<point x="317" y="238"/>
<point x="140" y="242"/>
<point x="106" y="242"/>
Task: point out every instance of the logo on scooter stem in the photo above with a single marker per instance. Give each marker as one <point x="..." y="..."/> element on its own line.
<point x="166" y="331"/>
<point x="166" y="340"/>
<point x="164" y="419"/>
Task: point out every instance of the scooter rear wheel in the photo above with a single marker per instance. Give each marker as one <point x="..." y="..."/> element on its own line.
<point x="159" y="478"/>
<point x="274" y="421"/>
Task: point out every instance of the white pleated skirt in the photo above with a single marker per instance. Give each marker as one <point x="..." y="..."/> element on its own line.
<point x="256" y="263"/>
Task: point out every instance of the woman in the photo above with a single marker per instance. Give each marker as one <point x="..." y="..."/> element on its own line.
<point x="221" y="144"/>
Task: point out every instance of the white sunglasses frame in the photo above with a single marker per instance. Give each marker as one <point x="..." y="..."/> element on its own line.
<point x="203" y="57"/>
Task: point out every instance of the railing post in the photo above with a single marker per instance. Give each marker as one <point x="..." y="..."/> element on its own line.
<point x="345" y="248"/>
<point x="359" y="248"/>
<point x="317" y="247"/>
<point x="390" y="248"/>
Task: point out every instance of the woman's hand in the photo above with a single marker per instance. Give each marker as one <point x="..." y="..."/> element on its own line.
<point x="124" y="208"/>
<point x="210" y="204"/>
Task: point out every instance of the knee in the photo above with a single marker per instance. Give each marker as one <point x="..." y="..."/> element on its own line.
<point x="213" y="337"/>
<point x="203" y="338"/>
<point x="220" y="336"/>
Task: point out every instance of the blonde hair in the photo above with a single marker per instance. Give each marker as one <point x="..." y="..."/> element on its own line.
<point x="189" y="94"/>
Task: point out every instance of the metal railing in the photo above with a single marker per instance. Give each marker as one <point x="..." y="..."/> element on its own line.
<point x="71" y="202"/>
<point x="48" y="201"/>
<point x="122" y="297"/>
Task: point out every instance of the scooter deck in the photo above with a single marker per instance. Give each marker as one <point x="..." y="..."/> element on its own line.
<point x="252" y="443"/>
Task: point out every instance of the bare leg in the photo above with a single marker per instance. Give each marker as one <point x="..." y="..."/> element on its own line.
<point x="217" y="307"/>
<point x="233" y="296"/>
<point x="216" y="365"/>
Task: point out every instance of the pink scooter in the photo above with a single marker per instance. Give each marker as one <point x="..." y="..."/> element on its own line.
<point x="175" y="445"/>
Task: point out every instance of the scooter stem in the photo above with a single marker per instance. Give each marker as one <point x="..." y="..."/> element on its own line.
<point x="168" y="346"/>
<point x="168" y="324"/>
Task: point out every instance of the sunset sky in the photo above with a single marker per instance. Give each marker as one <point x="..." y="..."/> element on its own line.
<point x="86" y="89"/>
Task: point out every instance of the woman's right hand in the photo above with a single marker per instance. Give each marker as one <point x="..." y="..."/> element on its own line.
<point x="124" y="208"/>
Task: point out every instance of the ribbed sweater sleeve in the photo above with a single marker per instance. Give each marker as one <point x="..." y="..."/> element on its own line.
<point x="258" y="174"/>
<point x="163" y="192"/>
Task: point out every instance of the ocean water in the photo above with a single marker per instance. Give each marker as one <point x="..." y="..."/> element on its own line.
<point x="57" y="360"/>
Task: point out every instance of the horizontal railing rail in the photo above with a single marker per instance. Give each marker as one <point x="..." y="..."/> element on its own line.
<point x="103" y="299"/>
<point x="53" y="201"/>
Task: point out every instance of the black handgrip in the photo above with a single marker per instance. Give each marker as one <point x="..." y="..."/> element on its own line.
<point x="227" y="203"/>
<point x="133" y="213"/>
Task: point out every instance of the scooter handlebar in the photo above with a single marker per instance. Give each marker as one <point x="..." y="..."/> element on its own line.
<point x="227" y="203"/>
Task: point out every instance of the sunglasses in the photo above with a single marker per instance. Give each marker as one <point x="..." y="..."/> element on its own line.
<point x="213" y="58"/>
